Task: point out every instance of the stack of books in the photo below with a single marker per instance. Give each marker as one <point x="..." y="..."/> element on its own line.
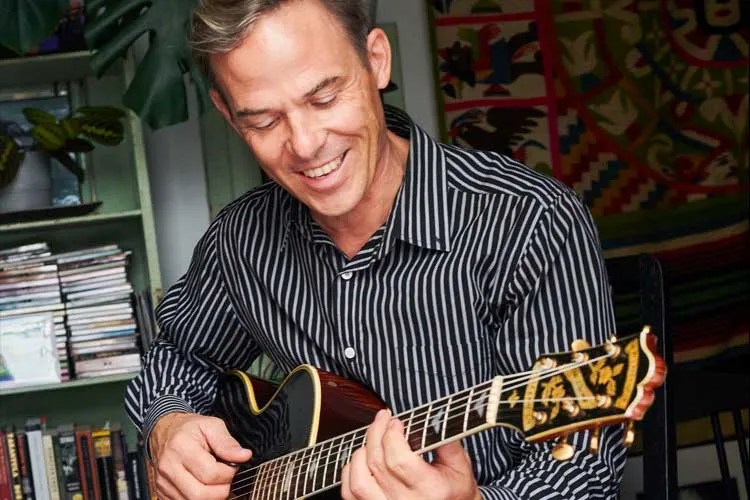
<point x="29" y="285"/>
<point x="102" y="330"/>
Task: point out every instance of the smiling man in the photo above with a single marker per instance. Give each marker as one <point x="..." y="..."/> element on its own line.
<point x="415" y="268"/>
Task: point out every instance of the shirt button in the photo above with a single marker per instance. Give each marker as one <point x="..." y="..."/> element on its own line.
<point x="349" y="352"/>
<point x="347" y="275"/>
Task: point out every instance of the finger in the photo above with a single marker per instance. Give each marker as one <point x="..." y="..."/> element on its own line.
<point x="204" y="466"/>
<point x="222" y="444"/>
<point x="374" y="445"/>
<point x="453" y="456"/>
<point x="362" y="483"/>
<point x="401" y="462"/>
<point x="346" y="490"/>
<point x="165" y="489"/>
<point x="190" y="487"/>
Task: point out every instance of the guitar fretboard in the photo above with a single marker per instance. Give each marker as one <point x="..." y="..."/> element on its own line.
<point x="317" y="468"/>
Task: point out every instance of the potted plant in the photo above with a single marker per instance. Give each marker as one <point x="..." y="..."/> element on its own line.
<point x="51" y="137"/>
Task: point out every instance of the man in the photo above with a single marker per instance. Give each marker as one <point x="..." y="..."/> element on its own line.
<point x="416" y="268"/>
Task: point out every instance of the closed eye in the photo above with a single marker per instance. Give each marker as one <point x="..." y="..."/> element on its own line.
<point x="324" y="102"/>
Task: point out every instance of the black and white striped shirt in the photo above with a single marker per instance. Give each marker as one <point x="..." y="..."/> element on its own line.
<point x="482" y="266"/>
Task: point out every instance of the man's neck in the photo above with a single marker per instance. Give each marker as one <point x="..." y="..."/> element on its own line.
<point x="351" y="232"/>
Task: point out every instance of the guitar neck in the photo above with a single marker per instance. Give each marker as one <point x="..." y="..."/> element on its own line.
<point x="317" y="468"/>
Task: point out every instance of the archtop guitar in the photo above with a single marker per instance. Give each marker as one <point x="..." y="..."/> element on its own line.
<point x="303" y="431"/>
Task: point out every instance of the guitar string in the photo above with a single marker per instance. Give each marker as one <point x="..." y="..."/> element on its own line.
<point x="278" y="467"/>
<point x="281" y="469"/>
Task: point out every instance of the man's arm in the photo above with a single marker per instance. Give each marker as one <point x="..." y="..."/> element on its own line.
<point x="559" y="293"/>
<point x="200" y="336"/>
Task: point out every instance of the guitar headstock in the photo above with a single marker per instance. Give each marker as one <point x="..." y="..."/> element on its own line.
<point x="586" y="387"/>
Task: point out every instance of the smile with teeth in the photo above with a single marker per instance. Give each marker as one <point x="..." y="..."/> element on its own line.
<point x="323" y="169"/>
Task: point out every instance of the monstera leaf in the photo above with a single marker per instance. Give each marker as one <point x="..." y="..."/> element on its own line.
<point x="25" y="23"/>
<point x="157" y="92"/>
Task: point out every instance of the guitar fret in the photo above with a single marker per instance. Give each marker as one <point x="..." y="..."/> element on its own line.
<point x="425" y="427"/>
<point x="445" y="420"/>
<point x="288" y="475"/>
<point x="468" y="410"/>
<point x="276" y="474"/>
<point x="326" y="463"/>
<point x="298" y="473"/>
<point x="316" y="465"/>
<point x="261" y="486"/>
<point x="307" y="471"/>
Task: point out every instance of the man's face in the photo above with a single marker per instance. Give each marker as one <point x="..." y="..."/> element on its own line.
<point x="298" y="93"/>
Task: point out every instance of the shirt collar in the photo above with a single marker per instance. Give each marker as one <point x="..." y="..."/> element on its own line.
<point x="420" y="212"/>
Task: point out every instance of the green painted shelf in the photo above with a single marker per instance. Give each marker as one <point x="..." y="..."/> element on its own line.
<point x="69" y="221"/>
<point x="71" y="384"/>
<point x="20" y="71"/>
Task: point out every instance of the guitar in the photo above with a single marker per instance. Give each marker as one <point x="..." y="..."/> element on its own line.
<point x="298" y="448"/>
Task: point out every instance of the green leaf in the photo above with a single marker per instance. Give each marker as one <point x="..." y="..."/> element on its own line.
<point x="25" y="23"/>
<point x="37" y="116"/>
<point x="157" y="92"/>
<point x="11" y="157"/>
<point x="49" y="136"/>
<point x="72" y="127"/>
<point x="108" y="132"/>
<point x="101" y="112"/>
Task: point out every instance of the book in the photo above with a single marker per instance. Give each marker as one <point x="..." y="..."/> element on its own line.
<point x="6" y="487"/>
<point x="119" y="457"/>
<point x="28" y="354"/>
<point x="72" y="486"/>
<point x="15" y="471"/>
<point x="50" y="462"/>
<point x="35" y="457"/>
<point x="24" y="468"/>
<point x="87" y="464"/>
<point x="104" y="463"/>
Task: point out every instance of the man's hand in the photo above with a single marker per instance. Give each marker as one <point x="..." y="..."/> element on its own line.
<point x="185" y="447"/>
<point x="387" y="468"/>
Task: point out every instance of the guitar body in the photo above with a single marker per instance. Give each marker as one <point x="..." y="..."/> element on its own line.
<point x="307" y="407"/>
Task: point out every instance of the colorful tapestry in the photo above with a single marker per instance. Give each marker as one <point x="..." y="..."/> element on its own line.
<point x="642" y="108"/>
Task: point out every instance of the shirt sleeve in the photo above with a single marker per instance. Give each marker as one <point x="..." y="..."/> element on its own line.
<point x="200" y="337"/>
<point x="558" y="293"/>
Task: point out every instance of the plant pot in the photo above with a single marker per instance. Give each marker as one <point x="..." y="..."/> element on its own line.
<point x="32" y="186"/>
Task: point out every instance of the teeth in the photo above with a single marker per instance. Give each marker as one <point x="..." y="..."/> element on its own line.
<point x="325" y="169"/>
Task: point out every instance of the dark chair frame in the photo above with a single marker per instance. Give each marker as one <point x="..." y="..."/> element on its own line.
<point x="643" y="274"/>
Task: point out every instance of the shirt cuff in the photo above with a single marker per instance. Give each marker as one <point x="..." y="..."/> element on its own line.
<point x="163" y="405"/>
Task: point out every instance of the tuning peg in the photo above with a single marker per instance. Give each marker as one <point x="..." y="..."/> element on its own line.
<point x="578" y="346"/>
<point x="627" y="441"/>
<point x="594" y="442"/>
<point x="563" y="450"/>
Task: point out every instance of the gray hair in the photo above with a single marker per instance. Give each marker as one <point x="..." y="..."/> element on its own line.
<point x="220" y="25"/>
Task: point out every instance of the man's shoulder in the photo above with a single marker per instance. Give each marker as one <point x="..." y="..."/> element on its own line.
<point x="490" y="173"/>
<point x="265" y="203"/>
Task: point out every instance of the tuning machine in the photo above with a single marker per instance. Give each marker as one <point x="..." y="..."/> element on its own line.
<point x="578" y="347"/>
<point x="629" y="437"/>
<point x="563" y="450"/>
<point x="594" y="441"/>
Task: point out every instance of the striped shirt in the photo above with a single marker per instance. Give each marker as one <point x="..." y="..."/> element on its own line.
<point x="482" y="266"/>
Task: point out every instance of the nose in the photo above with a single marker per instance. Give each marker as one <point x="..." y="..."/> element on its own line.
<point x="306" y="136"/>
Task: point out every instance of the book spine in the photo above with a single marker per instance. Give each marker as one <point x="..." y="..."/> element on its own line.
<point x="51" y="465"/>
<point x="27" y="481"/>
<point x="84" y="469"/>
<point x="15" y="470"/>
<point x="119" y="456"/>
<point x="73" y="489"/>
<point x="37" y="462"/>
<point x="6" y="487"/>
<point x="135" y="480"/>
<point x="105" y="468"/>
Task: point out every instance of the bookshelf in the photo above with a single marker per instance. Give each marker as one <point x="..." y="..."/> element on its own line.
<point x="118" y="178"/>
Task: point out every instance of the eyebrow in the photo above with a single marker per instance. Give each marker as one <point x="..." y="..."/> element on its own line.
<point x="326" y="82"/>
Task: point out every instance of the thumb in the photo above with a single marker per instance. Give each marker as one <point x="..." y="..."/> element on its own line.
<point x="222" y="444"/>
<point x="452" y="455"/>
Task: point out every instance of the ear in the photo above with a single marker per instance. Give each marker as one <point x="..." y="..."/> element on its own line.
<point x="379" y="57"/>
<point x="217" y="98"/>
